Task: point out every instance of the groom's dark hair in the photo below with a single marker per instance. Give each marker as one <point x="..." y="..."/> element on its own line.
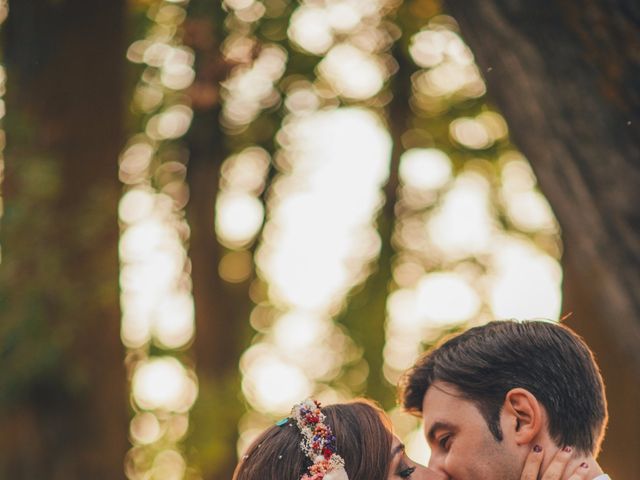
<point x="545" y="358"/>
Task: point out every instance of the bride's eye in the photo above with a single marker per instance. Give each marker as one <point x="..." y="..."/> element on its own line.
<point x="406" y="473"/>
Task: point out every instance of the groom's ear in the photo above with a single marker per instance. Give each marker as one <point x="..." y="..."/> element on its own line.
<point x="525" y="415"/>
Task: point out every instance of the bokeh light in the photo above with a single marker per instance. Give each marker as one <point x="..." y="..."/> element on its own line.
<point x="250" y="88"/>
<point x="319" y="207"/>
<point x="163" y="384"/>
<point x="316" y="245"/>
<point x="425" y="168"/>
<point x="469" y="221"/>
<point x="352" y="72"/>
<point x="156" y="300"/>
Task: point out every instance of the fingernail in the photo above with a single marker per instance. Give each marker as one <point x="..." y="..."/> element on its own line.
<point x="584" y="465"/>
<point x="537" y="448"/>
<point x="567" y="449"/>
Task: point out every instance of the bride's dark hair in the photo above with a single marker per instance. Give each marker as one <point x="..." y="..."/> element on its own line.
<point x="363" y="440"/>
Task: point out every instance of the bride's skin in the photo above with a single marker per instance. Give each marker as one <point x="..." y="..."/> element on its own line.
<point x="402" y="467"/>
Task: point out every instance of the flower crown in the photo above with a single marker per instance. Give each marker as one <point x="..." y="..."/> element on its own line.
<point x="318" y="443"/>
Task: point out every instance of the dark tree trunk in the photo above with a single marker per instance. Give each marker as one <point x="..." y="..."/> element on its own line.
<point x="565" y="75"/>
<point x="63" y="401"/>
<point x="221" y="309"/>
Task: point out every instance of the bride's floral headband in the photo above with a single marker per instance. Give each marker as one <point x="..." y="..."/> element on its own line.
<point x="318" y="443"/>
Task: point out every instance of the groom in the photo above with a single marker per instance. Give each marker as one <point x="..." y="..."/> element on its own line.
<point x="490" y="395"/>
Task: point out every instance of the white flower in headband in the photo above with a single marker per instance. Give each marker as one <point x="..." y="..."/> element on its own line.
<point x="318" y="443"/>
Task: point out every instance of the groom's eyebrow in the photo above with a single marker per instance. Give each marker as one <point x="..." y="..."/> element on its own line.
<point x="439" y="425"/>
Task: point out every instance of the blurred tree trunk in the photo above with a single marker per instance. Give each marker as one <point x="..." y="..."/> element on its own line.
<point x="366" y="313"/>
<point x="565" y="75"/>
<point x="221" y="309"/>
<point x="63" y="401"/>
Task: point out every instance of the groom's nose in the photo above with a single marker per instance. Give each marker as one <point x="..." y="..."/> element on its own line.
<point x="436" y="475"/>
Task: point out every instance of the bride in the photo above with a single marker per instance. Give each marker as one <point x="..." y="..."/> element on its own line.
<point x="352" y="441"/>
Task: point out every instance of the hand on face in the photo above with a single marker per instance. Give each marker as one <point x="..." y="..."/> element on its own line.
<point x="562" y="466"/>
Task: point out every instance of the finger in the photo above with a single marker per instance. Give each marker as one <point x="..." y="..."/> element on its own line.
<point x="559" y="462"/>
<point x="532" y="464"/>
<point x="581" y="472"/>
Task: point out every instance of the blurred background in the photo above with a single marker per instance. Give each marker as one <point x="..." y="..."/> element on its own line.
<point x="211" y="210"/>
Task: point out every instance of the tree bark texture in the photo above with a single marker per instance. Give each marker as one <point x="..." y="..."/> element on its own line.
<point x="221" y="309"/>
<point x="565" y="75"/>
<point x="63" y="406"/>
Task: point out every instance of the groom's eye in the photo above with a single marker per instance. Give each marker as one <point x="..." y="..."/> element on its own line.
<point x="444" y="441"/>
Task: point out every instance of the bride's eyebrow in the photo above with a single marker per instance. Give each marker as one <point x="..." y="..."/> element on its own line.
<point x="397" y="449"/>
